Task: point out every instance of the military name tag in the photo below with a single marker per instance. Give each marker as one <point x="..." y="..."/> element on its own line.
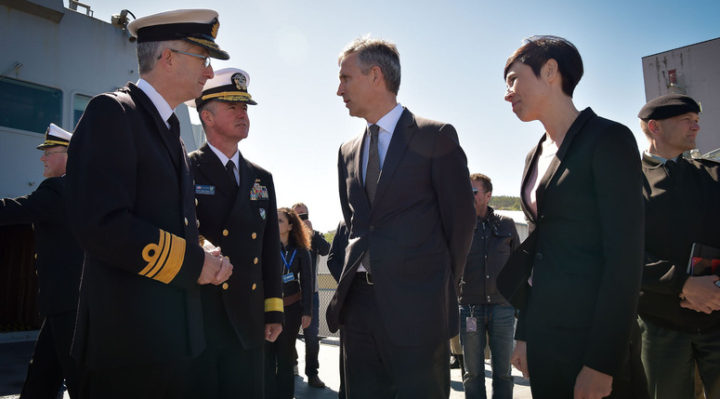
<point x="288" y="278"/>
<point x="470" y="324"/>
<point x="258" y="192"/>
<point x="204" y="190"/>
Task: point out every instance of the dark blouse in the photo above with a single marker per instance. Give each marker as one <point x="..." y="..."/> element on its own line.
<point x="302" y="277"/>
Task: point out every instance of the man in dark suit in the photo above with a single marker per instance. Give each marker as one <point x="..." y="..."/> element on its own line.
<point x="679" y="312"/>
<point x="318" y="246"/>
<point x="237" y="212"/>
<point x="132" y="207"/>
<point x="58" y="263"/>
<point x="407" y="202"/>
<point x="576" y="278"/>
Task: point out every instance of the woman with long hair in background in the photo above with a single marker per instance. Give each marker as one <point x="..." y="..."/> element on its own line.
<point x="297" y="300"/>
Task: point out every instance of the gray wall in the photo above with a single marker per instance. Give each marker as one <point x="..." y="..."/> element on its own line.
<point x="66" y="50"/>
<point x="698" y="75"/>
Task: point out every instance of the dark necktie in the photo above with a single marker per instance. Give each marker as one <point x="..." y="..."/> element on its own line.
<point x="372" y="174"/>
<point x="174" y="125"/>
<point x="230" y="168"/>
<point x="176" y="149"/>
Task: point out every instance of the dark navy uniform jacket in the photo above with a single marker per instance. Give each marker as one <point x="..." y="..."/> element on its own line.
<point x="59" y="257"/>
<point x="243" y="223"/>
<point x="682" y="207"/>
<point x="132" y="207"/>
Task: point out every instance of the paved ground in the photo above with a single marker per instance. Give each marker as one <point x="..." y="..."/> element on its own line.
<point x="15" y="355"/>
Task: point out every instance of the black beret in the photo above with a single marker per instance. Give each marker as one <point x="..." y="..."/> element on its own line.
<point x="668" y="106"/>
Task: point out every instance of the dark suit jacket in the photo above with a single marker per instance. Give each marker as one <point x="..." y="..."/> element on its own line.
<point x="585" y="247"/>
<point x="132" y="207"/>
<point x="418" y="231"/>
<point x="243" y="223"/>
<point x="682" y="207"/>
<point x="58" y="255"/>
<point x="336" y="257"/>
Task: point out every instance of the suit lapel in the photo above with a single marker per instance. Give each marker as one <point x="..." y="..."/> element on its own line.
<point x="558" y="159"/>
<point x="404" y="131"/>
<point x="170" y="143"/>
<point x="214" y="171"/>
<point x="358" y="164"/>
<point x="532" y="158"/>
<point x="247" y="180"/>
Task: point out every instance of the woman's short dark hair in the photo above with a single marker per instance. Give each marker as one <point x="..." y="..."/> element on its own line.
<point x="537" y="50"/>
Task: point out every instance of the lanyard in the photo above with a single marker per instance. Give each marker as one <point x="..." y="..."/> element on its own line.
<point x="284" y="259"/>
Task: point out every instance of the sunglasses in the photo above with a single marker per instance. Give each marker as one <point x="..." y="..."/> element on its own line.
<point x="303" y="216"/>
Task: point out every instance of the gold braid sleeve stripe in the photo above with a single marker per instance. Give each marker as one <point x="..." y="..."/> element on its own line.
<point x="273" y="305"/>
<point x="164" y="258"/>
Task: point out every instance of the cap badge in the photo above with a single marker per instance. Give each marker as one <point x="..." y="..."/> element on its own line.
<point x="215" y="27"/>
<point x="240" y="81"/>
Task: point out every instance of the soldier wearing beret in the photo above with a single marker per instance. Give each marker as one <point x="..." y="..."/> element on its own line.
<point x="132" y="207"/>
<point x="58" y="262"/>
<point x="237" y="211"/>
<point x="678" y="313"/>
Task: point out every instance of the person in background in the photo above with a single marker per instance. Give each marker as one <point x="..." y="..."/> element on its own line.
<point x="576" y="278"/>
<point x="318" y="246"/>
<point x="58" y="263"/>
<point x="483" y="311"/>
<point x="237" y="211"/>
<point x="297" y="300"/>
<point x="679" y="315"/>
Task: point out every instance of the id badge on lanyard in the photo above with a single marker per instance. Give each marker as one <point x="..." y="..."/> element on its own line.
<point x="288" y="276"/>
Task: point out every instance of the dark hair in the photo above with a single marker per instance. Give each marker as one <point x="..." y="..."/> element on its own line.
<point x="376" y="52"/>
<point x="487" y="183"/>
<point x="537" y="50"/>
<point x="299" y="235"/>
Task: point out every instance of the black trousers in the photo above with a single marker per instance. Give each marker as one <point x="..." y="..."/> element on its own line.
<point x="280" y="356"/>
<point x="51" y="362"/>
<point x="226" y="371"/>
<point x="554" y="368"/>
<point x="141" y="381"/>
<point x="375" y="368"/>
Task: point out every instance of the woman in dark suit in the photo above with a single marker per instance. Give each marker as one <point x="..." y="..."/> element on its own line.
<point x="581" y="192"/>
<point x="297" y="300"/>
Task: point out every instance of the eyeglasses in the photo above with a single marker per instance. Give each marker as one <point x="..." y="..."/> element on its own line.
<point x="205" y="58"/>
<point x="48" y="153"/>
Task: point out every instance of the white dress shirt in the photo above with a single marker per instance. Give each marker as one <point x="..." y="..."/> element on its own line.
<point x="157" y="99"/>
<point x="224" y="159"/>
<point x="387" y="126"/>
<point x="547" y="151"/>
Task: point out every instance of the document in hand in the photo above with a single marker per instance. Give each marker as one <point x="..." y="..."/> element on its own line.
<point x="704" y="260"/>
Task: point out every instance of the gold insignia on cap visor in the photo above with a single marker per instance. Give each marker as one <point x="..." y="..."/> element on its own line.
<point x="54" y="136"/>
<point x="235" y="96"/>
<point x="214" y="30"/>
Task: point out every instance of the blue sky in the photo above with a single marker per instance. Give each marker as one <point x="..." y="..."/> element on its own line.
<point x="452" y="55"/>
